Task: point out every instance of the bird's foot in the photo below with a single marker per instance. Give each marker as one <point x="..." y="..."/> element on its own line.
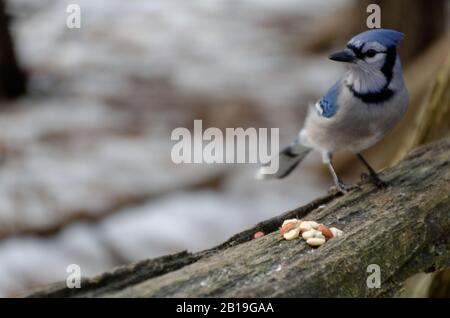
<point x="342" y="187"/>
<point x="380" y="184"/>
<point x="375" y="179"/>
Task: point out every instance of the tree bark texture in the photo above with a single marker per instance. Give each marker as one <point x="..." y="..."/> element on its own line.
<point x="403" y="229"/>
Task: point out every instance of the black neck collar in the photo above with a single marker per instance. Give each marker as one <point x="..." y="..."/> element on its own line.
<point x="373" y="98"/>
<point x="385" y="93"/>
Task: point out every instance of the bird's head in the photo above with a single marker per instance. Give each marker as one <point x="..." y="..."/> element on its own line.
<point x="371" y="50"/>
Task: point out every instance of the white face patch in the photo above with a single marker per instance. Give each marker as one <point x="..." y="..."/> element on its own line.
<point x="374" y="52"/>
<point x="377" y="46"/>
<point x="364" y="80"/>
<point x="377" y="57"/>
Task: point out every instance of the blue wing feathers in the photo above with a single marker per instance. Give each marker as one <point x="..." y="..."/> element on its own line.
<point x="328" y="103"/>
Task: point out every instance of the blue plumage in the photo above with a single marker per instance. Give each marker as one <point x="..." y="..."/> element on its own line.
<point x="328" y="102"/>
<point x="357" y="111"/>
<point x="386" y="37"/>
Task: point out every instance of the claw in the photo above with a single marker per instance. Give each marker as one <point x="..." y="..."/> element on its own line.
<point x="375" y="180"/>
<point x="373" y="176"/>
<point x="342" y="187"/>
<point x="332" y="189"/>
<point x="380" y="184"/>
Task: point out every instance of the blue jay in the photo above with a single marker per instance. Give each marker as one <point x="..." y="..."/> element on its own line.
<point x="357" y="111"/>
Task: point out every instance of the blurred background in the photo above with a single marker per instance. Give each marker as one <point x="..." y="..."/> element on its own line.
<point x="86" y="115"/>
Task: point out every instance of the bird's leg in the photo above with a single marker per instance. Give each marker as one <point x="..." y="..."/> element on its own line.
<point x="342" y="187"/>
<point x="372" y="174"/>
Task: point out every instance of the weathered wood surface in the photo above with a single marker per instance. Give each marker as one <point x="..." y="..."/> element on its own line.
<point x="403" y="228"/>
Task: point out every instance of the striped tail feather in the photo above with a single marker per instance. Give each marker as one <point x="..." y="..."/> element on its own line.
<point x="288" y="159"/>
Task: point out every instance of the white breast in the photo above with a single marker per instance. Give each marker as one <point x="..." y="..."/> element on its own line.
<point x="356" y="126"/>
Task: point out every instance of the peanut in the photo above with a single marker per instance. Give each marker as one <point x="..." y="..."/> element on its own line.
<point x="315" y="241"/>
<point x="287" y="227"/>
<point x="314" y="233"/>
<point x="292" y="234"/>
<point x="325" y="231"/>
<point x="258" y="234"/>
<point x="308" y="234"/>
<point x="314" y="224"/>
<point x="305" y="226"/>
<point x="289" y="221"/>
<point x="319" y="234"/>
<point x="336" y="232"/>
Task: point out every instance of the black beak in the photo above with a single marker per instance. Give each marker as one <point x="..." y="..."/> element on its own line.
<point x="343" y="56"/>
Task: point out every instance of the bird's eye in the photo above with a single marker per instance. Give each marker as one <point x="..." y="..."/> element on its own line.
<point x="371" y="53"/>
